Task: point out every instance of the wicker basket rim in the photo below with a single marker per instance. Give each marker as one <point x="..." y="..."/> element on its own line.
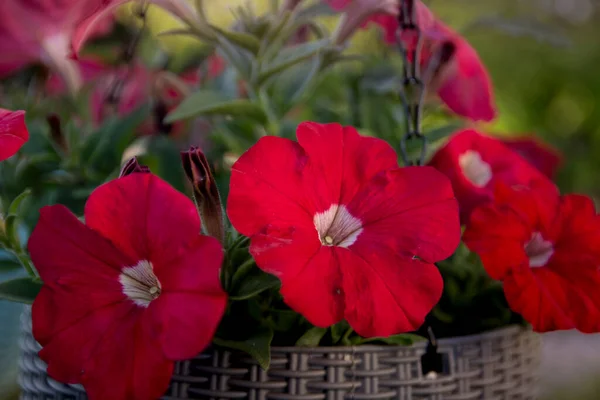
<point x="446" y="342"/>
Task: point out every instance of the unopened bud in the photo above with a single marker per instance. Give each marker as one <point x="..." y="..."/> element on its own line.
<point x="206" y="193"/>
<point x="131" y="166"/>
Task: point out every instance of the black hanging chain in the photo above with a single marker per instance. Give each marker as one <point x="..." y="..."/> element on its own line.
<point x="412" y="93"/>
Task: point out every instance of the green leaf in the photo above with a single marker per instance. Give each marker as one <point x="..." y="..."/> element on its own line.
<point x="239" y="58"/>
<point x="291" y="56"/>
<point x="103" y="149"/>
<point x="249" y="281"/>
<point x="442" y="132"/>
<point x="241" y="39"/>
<point x="312" y="337"/>
<point x="258" y="346"/>
<point x="22" y="290"/>
<point x="320" y="9"/>
<point x="404" y="339"/>
<point x="161" y="155"/>
<point x="13" y="208"/>
<point x="338" y="330"/>
<point x="206" y="102"/>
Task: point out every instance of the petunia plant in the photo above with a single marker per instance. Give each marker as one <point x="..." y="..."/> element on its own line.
<point x="276" y="191"/>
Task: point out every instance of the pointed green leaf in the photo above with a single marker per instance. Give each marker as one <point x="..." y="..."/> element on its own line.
<point x="320" y="9"/>
<point x="339" y="330"/>
<point x="249" y="281"/>
<point x="22" y="290"/>
<point x="291" y="56"/>
<point x="276" y="28"/>
<point x="241" y="39"/>
<point x="241" y="59"/>
<point x="257" y="345"/>
<point x="176" y="32"/>
<point x="312" y="337"/>
<point x="16" y="203"/>
<point x="206" y="102"/>
<point x="103" y="149"/>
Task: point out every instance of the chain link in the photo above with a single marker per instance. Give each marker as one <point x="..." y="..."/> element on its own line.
<point x="413" y="91"/>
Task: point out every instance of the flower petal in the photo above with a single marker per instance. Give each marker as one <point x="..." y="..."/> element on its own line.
<point x="550" y="302"/>
<point x="468" y="91"/>
<point x="545" y="158"/>
<point x="386" y="294"/>
<point x="413" y="210"/>
<point x="144" y="217"/>
<point x="332" y="170"/>
<point x="186" y="322"/>
<point x="297" y="258"/>
<point x="266" y="187"/>
<point x="126" y="363"/>
<point x="13" y="132"/>
<point x="68" y="350"/>
<point x="198" y="270"/>
<point x="88" y="26"/>
<point x="579" y="232"/>
<point x="61" y="246"/>
<point x="504" y="166"/>
<point x="498" y="236"/>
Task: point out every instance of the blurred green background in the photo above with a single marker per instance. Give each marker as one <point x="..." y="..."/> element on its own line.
<point x="543" y="58"/>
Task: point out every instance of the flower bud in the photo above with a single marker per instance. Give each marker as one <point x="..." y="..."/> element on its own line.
<point x="206" y="194"/>
<point x="131" y="166"/>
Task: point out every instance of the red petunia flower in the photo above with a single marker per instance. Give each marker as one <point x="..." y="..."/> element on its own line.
<point x="41" y="31"/>
<point x="539" y="154"/>
<point x="461" y="81"/>
<point x="544" y="248"/>
<point x="349" y="234"/>
<point x="127" y="293"/>
<point x="475" y="162"/>
<point x="13" y="132"/>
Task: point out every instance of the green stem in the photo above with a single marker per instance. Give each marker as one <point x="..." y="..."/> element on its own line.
<point x="25" y="262"/>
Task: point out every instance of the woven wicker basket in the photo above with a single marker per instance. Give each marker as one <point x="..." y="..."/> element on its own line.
<point x="501" y="364"/>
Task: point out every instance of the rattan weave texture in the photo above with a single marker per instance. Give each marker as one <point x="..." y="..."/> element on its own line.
<point x="498" y="365"/>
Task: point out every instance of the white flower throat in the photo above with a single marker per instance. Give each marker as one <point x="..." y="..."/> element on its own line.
<point x="337" y="227"/>
<point x="140" y="284"/>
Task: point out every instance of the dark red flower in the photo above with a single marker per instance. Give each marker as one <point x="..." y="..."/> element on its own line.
<point x="544" y="247"/>
<point x="13" y="132"/>
<point x="127" y="293"/>
<point x="475" y="162"/>
<point x="349" y="234"/>
<point x="539" y="154"/>
<point x="461" y="81"/>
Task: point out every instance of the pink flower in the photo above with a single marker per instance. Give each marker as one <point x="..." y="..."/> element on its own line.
<point x="13" y="132"/>
<point x="41" y="31"/>
<point x="349" y="234"/>
<point x="461" y="81"/>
